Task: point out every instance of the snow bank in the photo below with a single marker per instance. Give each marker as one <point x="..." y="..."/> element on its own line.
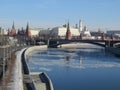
<point x="32" y="49"/>
<point x="17" y="76"/>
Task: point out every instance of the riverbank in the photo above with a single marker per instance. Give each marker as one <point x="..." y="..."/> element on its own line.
<point x="16" y="74"/>
<point x="4" y="82"/>
<point x="32" y="81"/>
<point x="33" y="49"/>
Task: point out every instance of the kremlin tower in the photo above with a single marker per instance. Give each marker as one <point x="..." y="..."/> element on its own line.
<point x="68" y="33"/>
<point x="80" y="25"/>
<point x="13" y="31"/>
<point x="28" y="33"/>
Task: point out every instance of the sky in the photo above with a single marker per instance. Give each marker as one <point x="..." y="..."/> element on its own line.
<point x="103" y="14"/>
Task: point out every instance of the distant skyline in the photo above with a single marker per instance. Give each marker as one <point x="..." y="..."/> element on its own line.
<point x="104" y="14"/>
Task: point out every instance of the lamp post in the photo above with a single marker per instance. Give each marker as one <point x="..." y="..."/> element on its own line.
<point x="3" y="61"/>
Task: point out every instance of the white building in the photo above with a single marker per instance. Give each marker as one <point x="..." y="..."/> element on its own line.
<point x="35" y="31"/>
<point x="85" y="34"/>
<point x="3" y="31"/>
<point x="61" y="31"/>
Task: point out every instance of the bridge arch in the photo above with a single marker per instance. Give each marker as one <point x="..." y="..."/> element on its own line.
<point x="116" y="45"/>
<point x="54" y="44"/>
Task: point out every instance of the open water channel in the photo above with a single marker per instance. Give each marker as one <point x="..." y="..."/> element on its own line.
<point x="85" y="67"/>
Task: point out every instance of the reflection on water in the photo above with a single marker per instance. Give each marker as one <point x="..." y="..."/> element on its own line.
<point x="78" y="68"/>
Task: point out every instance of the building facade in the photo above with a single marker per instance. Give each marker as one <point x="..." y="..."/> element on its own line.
<point x="3" y="31"/>
<point x="35" y="31"/>
<point x="61" y="31"/>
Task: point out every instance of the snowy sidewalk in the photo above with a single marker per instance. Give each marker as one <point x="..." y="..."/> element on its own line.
<point x="16" y="80"/>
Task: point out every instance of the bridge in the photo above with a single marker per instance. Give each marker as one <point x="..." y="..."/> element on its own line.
<point x="53" y="40"/>
<point x="53" y="43"/>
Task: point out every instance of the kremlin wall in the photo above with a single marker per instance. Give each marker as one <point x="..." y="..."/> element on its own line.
<point x="55" y="32"/>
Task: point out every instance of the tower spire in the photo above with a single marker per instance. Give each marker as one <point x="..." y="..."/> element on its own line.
<point x="68" y="26"/>
<point x="68" y="33"/>
<point x="80" y="25"/>
<point x="13" y="26"/>
<point x="13" y="31"/>
<point x="28" y="33"/>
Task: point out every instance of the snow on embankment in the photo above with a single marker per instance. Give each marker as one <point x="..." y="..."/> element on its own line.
<point x="17" y="77"/>
<point x="32" y="49"/>
<point x="27" y="53"/>
<point x="72" y="45"/>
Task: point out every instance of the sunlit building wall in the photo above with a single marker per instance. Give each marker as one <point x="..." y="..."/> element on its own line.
<point x="61" y="31"/>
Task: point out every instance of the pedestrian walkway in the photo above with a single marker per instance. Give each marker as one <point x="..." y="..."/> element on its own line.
<point x="16" y="80"/>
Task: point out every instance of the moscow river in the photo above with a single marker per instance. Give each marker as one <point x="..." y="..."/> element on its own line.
<point x="85" y="67"/>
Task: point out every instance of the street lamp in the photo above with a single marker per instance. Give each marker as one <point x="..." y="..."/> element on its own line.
<point x="3" y="61"/>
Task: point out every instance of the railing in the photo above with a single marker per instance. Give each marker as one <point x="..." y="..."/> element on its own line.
<point x="78" y="38"/>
